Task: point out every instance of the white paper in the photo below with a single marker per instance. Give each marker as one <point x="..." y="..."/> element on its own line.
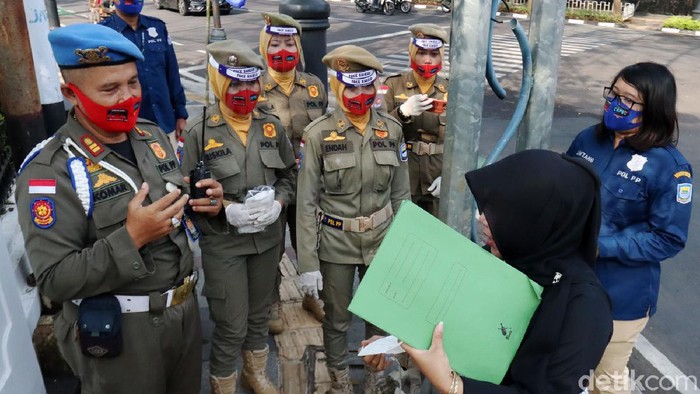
<point x="386" y="345"/>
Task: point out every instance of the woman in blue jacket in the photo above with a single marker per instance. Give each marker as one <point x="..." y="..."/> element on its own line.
<point x="646" y="199"/>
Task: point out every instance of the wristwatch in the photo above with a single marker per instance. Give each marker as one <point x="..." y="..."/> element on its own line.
<point x="403" y="118"/>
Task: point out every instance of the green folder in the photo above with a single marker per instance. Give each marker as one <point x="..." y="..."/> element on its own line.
<point x="425" y="272"/>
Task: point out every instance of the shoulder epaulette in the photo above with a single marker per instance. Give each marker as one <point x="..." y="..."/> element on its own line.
<point x="34" y="153"/>
<point x="318" y="120"/>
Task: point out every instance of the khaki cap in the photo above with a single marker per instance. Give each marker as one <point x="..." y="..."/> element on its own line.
<point x="428" y="30"/>
<point x="349" y="58"/>
<point x="234" y="53"/>
<point x="280" y="20"/>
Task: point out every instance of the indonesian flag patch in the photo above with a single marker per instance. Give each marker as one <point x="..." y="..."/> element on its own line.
<point x="42" y="186"/>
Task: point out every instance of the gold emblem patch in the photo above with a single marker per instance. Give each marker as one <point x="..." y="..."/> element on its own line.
<point x="313" y="91"/>
<point x="381" y="124"/>
<point x="302" y="81"/>
<point x="409" y="84"/>
<point x="92" y="167"/>
<point x="158" y="150"/>
<point x="334" y="137"/>
<point x="215" y="118"/>
<point x="340" y="124"/>
<point x="103" y="179"/>
<point x="342" y="65"/>
<point x="93" y="55"/>
<point x="269" y="130"/>
<point x="268" y="21"/>
<point x="268" y="86"/>
<point x="143" y="133"/>
<point x="212" y="144"/>
<point x="381" y="133"/>
<point x="441" y="88"/>
<point x="420" y="35"/>
<point x="401" y="97"/>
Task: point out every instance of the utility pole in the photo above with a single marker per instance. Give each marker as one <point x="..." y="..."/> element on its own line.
<point x="217" y="33"/>
<point x="18" y="87"/>
<point x="470" y="26"/>
<point x="696" y="11"/>
<point x="52" y="10"/>
<point x="546" y="31"/>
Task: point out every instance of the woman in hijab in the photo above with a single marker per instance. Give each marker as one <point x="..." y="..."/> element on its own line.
<point x="542" y="214"/>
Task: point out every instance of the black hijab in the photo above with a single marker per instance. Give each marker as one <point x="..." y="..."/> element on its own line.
<point x="543" y="209"/>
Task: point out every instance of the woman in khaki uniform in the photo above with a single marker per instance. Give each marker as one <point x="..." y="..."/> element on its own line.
<point x="409" y="98"/>
<point x="353" y="176"/>
<point x="297" y="98"/>
<point x="244" y="148"/>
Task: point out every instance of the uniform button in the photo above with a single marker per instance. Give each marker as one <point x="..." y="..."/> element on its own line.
<point x="136" y="265"/>
<point x="156" y="319"/>
<point x="619" y="190"/>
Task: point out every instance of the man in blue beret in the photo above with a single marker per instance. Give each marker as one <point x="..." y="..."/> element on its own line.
<point x="163" y="100"/>
<point x="102" y="214"/>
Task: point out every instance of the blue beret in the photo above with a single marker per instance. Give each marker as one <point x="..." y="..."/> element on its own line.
<point x="89" y="45"/>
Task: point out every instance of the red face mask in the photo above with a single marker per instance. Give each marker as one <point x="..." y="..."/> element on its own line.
<point x="427" y="71"/>
<point x="283" y="60"/>
<point x="242" y="102"/>
<point x="360" y="104"/>
<point x="118" y="118"/>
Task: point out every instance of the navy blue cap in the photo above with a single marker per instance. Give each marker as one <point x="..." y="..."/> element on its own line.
<point x="90" y="45"/>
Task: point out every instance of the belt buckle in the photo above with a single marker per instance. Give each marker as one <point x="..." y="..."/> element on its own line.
<point x="365" y="224"/>
<point x="424" y="148"/>
<point x="181" y="293"/>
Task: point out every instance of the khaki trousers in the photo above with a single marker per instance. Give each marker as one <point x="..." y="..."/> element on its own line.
<point x="239" y="292"/>
<point x="336" y="296"/>
<point x="612" y="375"/>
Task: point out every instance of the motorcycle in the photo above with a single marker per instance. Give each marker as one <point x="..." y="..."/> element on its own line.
<point x="386" y="6"/>
<point x="446" y="6"/>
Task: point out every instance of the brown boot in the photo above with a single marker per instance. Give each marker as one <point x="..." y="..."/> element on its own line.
<point x="340" y="381"/>
<point x="254" y="375"/>
<point x="315" y="306"/>
<point x="225" y="385"/>
<point x="276" y="325"/>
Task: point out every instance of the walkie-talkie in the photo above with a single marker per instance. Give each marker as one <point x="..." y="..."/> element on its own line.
<point x="200" y="171"/>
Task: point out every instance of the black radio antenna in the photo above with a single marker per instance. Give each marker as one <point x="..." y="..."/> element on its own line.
<point x="204" y="127"/>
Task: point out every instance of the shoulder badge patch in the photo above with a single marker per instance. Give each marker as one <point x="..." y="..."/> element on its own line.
<point x="269" y="130"/>
<point x="682" y="173"/>
<point x="43" y="212"/>
<point x="212" y="144"/>
<point x="636" y="163"/>
<point x="334" y="136"/>
<point x="684" y="193"/>
<point x="403" y="152"/>
<point x="158" y="150"/>
<point x="91" y="145"/>
<point x="313" y="91"/>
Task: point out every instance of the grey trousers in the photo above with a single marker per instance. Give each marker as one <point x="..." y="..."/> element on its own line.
<point x="239" y="292"/>
<point x="336" y="296"/>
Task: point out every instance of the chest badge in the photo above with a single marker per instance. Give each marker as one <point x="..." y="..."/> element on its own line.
<point x="409" y="84"/>
<point x="636" y="163"/>
<point x="334" y="136"/>
<point x="269" y="130"/>
<point x="158" y="150"/>
<point x="381" y="133"/>
<point x="212" y="144"/>
<point x="152" y="32"/>
<point x="313" y="91"/>
<point x="104" y="179"/>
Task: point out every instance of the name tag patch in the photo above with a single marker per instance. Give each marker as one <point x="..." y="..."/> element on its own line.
<point x="313" y="104"/>
<point x="217" y="154"/>
<point x="168" y="166"/>
<point x="383" y="144"/>
<point x="110" y="192"/>
<point x="269" y="144"/>
<point x="330" y="148"/>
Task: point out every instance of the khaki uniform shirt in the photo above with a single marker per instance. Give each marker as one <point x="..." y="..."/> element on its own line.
<point x="427" y="127"/>
<point x="77" y="254"/>
<point x="306" y="102"/>
<point x="266" y="159"/>
<point x="345" y="174"/>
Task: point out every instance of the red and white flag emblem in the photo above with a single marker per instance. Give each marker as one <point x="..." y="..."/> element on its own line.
<point x="42" y="186"/>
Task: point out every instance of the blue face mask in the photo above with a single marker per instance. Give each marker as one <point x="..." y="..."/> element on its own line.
<point x="131" y="7"/>
<point x="618" y="117"/>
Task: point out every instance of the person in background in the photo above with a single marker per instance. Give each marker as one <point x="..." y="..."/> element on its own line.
<point x="297" y="98"/>
<point x="409" y="98"/>
<point x="244" y="148"/>
<point x="541" y="212"/>
<point x="163" y="99"/>
<point x="646" y="202"/>
<point x="352" y="178"/>
<point x="103" y="229"/>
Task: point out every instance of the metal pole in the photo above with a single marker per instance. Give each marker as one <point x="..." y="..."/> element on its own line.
<point x="52" y="11"/>
<point x="696" y="11"/>
<point x="546" y="32"/>
<point x="470" y="26"/>
<point x="312" y="15"/>
<point x="217" y="32"/>
<point x="18" y="87"/>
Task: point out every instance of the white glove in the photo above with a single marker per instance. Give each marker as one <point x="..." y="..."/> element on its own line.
<point x="311" y="283"/>
<point x="434" y="188"/>
<point x="269" y="216"/>
<point x="416" y="105"/>
<point x="238" y="216"/>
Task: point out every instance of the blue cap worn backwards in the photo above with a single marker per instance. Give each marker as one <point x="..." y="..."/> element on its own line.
<point x="89" y="45"/>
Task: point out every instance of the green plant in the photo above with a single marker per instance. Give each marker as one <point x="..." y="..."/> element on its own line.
<point x="596" y="16"/>
<point x="682" y="22"/>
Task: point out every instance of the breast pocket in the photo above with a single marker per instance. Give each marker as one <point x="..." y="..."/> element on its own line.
<point x="625" y="200"/>
<point x="155" y="56"/>
<point x="272" y="161"/>
<point x="384" y="170"/>
<point x="335" y="170"/>
<point x="228" y="173"/>
<point x="110" y="214"/>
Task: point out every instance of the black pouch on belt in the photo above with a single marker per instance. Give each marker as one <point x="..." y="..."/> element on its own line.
<point x="100" y="326"/>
